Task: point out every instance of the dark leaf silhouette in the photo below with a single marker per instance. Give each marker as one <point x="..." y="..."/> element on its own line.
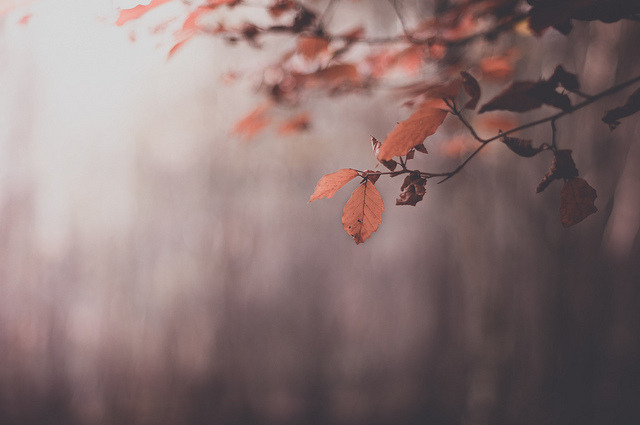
<point x="576" y="201"/>
<point x="521" y="146"/>
<point x="413" y="190"/>
<point x="411" y="132"/>
<point x="562" y="167"/>
<point x="362" y="213"/>
<point x="632" y="106"/>
<point x="331" y="183"/>
<point x="472" y="88"/>
<point x="566" y="79"/>
<point x="522" y="96"/>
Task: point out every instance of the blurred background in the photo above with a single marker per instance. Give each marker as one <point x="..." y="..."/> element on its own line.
<point x="155" y="269"/>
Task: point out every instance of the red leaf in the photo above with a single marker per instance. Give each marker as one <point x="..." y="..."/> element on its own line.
<point x="127" y="15"/>
<point x="411" y="132"/>
<point x="362" y="213"/>
<point x="331" y="183"/>
<point x="472" y="88"/>
<point x="576" y="202"/>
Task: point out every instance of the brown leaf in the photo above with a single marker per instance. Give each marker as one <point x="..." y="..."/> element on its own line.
<point x="362" y="213"/>
<point x="521" y="147"/>
<point x="421" y="148"/>
<point x="562" y="167"/>
<point x="411" y="132"/>
<point x="576" y="201"/>
<point x="631" y="107"/>
<point x="566" y="79"/>
<point x="522" y="96"/>
<point x="413" y="190"/>
<point x="280" y="7"/>
<point x="331" y="183"/>
<point x="472" y="88"/>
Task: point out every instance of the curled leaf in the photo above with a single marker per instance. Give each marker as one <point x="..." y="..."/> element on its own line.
<point x="631" y="107"/>
<point x="521" y="147"/>
<point x="331" y="183"/>
<point x="362" y="213"/>
<point x="562" y="167"/>
<point x="472" y="88"/>
<point x="413" y="190"/>
<point x="576" y="202"/>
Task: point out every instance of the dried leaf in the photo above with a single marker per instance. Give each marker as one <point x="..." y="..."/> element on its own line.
<point x="521" y="147"/>
<point x="127" y="15"/>
<point x="413" y="190"/>
<point x="421" y="148"/>
<point x="566" y="79"/>
<point x="331" y="183"/>
<point x="411" y="132"/>
<point x="522" y="96"/>
<point x="562" y="167"/>
<point x="472" y="88"/>
<point x="631" y="107"/>
<point x="362" y="213"/>
<point x="576" y="201"/>
<point x="375" y="145"/>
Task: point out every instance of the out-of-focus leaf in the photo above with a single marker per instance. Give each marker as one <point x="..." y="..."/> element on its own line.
<point x="331" y="183"/>
<point x="127" y="15"/>
<point x="362" y="213"/>
<point x="521" y="147"/>
<point x="252" y="124"/>
<point x="522" y="96"/>
<point x="631" y="107"/>
<point x="297" y="124"/>
<point x="576" y="201"/>
<point x="562" y="167"/>
<point x="472" y="88"/>
<point x="566" y="79"/>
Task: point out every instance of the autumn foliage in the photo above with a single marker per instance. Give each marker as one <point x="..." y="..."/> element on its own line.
<point x="322" y="61"/>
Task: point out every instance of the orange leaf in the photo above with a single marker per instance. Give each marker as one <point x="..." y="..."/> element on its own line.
<point x="300" y="122"/>
<point x="576" y="201"/>
<point x="331" y="183"/>
<point x="127" y="15"/>
<point x="253" y="123"/>
<point x="311" y="47"/>
<point x="411" y="132"/>
<point x="363" y="212"/>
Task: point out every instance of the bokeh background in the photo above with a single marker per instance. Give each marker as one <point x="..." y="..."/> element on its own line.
<point x="155" y="269"/>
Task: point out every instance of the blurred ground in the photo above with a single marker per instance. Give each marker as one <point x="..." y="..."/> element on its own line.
<point x="155" y="270"/>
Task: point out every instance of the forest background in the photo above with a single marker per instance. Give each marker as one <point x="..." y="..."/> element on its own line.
<point x="156" y="268"/>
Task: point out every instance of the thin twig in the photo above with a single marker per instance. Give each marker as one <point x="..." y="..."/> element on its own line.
<point x="551" y="118"/>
